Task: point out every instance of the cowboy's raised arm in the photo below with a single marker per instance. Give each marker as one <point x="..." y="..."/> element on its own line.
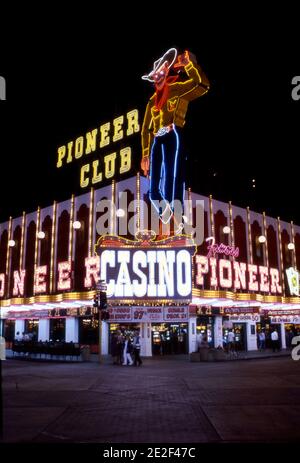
<point x="196" y="85"/>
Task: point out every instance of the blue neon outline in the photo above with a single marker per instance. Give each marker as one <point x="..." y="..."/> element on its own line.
<point x="164" y="170"/>
<point x="163" y="167"/>
<point x="150" y="192"/>
<point x="175" y="164"/>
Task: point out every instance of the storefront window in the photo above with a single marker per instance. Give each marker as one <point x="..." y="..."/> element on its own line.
<point x="32" y="329"/>
<point x="88" y="331"/>
<point x="57" y="329"/>
<point x="170" y="338"/>
<point x="9" y="330"/>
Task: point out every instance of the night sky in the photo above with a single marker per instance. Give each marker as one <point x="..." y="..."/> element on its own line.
<point x="68" y="77"/>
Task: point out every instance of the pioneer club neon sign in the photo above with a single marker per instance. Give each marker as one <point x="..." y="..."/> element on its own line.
<point x="103" y="141"/>
<point x="148" y="269"/>
<point x="231" y="274"/>
<point x="130" y="273"/>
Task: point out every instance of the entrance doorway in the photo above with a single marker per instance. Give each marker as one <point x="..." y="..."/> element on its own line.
<point x="240" y="336"/>
<point x="89" y="333"/>
<point x="170" y="339"/>
<point x="127" y="329"/>
<point x="291" y="330"/>
<point x="205" y="330"/>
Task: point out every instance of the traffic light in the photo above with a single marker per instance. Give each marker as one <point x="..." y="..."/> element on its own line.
<point x="104" y="315"/>
<point x="96" y="302"/>
<point x="103" y="300"/>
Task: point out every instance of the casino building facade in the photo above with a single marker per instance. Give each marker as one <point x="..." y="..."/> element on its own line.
<point x="243" y="277"/>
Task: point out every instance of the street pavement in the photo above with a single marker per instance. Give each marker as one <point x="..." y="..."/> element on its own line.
<point x="168" y="400"/>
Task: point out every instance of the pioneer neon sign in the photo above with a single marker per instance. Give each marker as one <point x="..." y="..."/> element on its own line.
<point x="118" y="161"/>
<point x="148" y="271"/>
<point x="228" y="274"/>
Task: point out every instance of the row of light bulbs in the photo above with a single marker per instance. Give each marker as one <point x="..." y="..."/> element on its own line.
<point x="261" y="239"/>
<point x="41" y="235"/>
<point x="77" y="225"/>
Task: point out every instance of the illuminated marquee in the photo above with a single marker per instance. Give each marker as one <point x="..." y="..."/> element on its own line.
<point x="150" y="273"/>
<point x="229" y="274"/>
<point x="146" y="269"/>
<point x="96" y="170"/>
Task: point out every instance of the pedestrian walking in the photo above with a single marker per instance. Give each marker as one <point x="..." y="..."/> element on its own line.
<point x="275" y="340"/>
<point x="230" y="341"/>
<point x="262" y="340"/>
<point x="120" y="347"/>
<point x="198" y="340"/>
<point x="127" y="351"/>
<point x="114" y="348"/>
<point x="137" y="349"/>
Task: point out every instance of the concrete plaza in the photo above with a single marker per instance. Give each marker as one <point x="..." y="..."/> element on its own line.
<point x="164" y="401"/>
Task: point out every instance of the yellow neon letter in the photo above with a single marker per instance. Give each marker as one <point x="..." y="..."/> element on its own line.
<point x="110" y="164"/>
<point x="125" y="154"/>
<point x="70" y="147"/>
<point x="104" y="129"/>
<point x="79" y="147"/>
<point x="96" y="177"/>
<point x="91" y="141"/>
<point x="84" y="181"/>
<point x="133" y="122"/>
<point x="61" y="154"/>
<point x="118" y="133"/>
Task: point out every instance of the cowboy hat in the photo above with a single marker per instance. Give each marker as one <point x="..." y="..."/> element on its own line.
<point x="169" y="57"/>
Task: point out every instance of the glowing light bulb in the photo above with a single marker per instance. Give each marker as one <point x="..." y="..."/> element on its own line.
<point x="76" y="225"/>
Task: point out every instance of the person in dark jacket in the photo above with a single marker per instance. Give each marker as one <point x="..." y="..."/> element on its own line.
<point x="137" y="349"/>
<point x="114" y="348"/>
<point x="120" y="347"/>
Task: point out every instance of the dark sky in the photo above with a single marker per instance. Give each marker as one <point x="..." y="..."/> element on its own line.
<point x="68" y="75"/>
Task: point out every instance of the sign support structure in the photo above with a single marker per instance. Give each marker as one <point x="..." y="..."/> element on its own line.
<point x="100" y="300"/>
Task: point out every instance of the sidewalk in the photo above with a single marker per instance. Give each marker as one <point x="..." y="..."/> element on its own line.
<point x="268" y="353"/>
<point x="167" y="400"/>
<point x="106" y="359"/>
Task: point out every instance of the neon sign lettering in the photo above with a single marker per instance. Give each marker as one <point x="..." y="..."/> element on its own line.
<point x="215" y="248"/>
<point x="118" y="161"/>
<point x="237" y="275"/>
<point x="151" y="273"/>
